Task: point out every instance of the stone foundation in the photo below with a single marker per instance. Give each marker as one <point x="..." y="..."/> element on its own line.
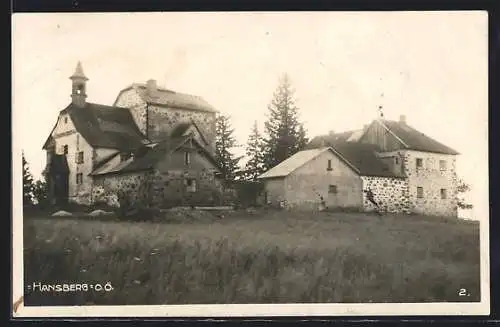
<point x="390" y="193"/>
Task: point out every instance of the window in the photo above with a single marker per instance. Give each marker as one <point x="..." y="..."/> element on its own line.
<point x="79" y="157"/>
<point x="332" y="189"/>
<point x="190" y="185"/>
<point x="397" y="160"/>
<point x="79" y="178"/>
<point x="187" y="158"/>
<point x="420" y="192"/>
<point x="420" y="163"/>
<point x="442" y="164"/>
<point x="443" y="193"/>
<point x="66" y="120"/>
<point x="329" y="167"/>
<point x="65" y="149"/>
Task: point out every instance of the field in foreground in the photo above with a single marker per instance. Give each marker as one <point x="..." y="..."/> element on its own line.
<point x="270" y="257"/>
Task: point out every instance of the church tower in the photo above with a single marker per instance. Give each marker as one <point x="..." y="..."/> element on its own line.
<point x="79" y="81"/>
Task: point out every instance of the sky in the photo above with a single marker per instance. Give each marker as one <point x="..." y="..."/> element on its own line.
<point x="430" y="66"/>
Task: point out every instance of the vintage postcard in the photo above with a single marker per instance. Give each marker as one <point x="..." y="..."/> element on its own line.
<point x="231" y="164"/>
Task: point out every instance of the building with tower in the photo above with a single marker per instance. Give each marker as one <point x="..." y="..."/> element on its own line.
<point x="153" y="144"/>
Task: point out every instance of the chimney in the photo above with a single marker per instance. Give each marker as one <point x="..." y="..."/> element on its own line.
<point x="402" y="119"/>
<point x="151" y="87"/>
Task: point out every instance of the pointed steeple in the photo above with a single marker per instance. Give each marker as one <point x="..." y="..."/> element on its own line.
<point x="78" y="74"/>
<point x="78" y="87"/>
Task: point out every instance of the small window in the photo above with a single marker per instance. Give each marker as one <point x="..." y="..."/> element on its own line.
<point x="187" y="158"/>
<point x="125" y="156"/>
<point x="420" y="163"/>
<point x="79" y="158"/>
<point x="332" y="189"/>
<point x="66" y="120"/>
<point x="396" y="159"/>
<point x="79" y="178"/>
<point x="443" y="193"/>
<point x="420" y="192"/>
<point x="65" y="149"/>
<point x="329" y="167"/>
<point x="442" y="164"/>
<point x="190" y="185"/>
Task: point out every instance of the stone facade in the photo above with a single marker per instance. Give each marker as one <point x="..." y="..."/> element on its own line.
<point x="106" y="189"/>
<point x="158" y="122"/>
<point x="391" y="194"/>
<point x="436" y="181"/>
<point x="130" y="99"/>
<point x="163" y="120"/>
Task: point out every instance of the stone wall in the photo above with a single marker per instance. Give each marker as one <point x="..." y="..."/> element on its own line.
<point x="390" y="193"/>
<point x="131" y="99"/>
<point x="163" y="120"/>
<point x="106" y="189"/>
<point x="431" y="178"/>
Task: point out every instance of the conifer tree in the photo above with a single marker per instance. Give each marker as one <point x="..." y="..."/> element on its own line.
<point x="224" y="142"/>
<point x="254" y="152"/>
<point x="28" y="183"/>
<point x="285" y="134"/>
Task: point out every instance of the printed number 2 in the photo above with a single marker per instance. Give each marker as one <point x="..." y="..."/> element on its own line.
<point x="462" y="292"/>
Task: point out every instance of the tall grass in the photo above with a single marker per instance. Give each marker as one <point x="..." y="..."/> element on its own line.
<point x="273" y="258"/>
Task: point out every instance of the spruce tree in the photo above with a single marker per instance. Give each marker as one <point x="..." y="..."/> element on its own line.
<point x="254" y="151"/>
<point x="285" y="134"/>
<point x="28" y="183"/>
<point x="224" y="142"/>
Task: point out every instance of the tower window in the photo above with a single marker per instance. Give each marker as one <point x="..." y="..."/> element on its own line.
<point x="79" y="157"/>
<point x="187" y="158"/>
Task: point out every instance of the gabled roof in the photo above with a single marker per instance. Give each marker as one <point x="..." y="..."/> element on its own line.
<point x="146" y="157"/>
<point x="169" y="98"/>
<point x="293" y="163"/>
<point x="415" y="140"/>
<point x="361" y="158"/>
<point x="364" y="158"/>
<point x="105" y="126"/>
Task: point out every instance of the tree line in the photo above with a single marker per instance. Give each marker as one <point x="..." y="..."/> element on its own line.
<point x="283" y="136"/>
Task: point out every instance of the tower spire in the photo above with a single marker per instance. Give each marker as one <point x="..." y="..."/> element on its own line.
<point x="78" y="87"/>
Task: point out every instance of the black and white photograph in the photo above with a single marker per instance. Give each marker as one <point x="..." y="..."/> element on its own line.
<point x="219" y="164"/>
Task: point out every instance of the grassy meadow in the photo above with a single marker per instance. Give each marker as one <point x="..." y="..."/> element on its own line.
<point x="265" y="257"/>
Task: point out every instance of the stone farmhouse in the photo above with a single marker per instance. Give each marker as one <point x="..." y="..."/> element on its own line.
<point x="407" y="172"/>
<point x="152" y="144"/>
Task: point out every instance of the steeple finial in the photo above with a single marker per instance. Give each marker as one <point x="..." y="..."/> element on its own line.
<point x="79" y="72"/>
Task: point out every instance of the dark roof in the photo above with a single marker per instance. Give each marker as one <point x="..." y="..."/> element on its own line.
<point x="105" y="126"/>
<point x="164" y="97"/>
<point x="416" y="140"/>
<point x="364" y="158"/>
<point x="146" y="157"/>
